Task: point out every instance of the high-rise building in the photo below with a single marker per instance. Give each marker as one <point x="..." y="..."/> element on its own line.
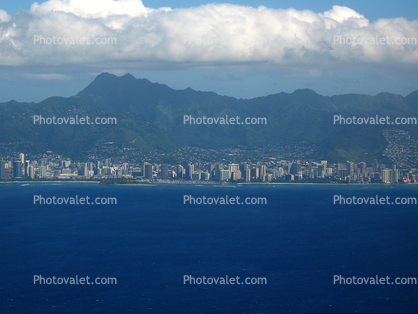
<point x="342" y="166"/>
<point x="27" y="165"/>
<point x="2" y="170"/>
<point x="22" y="158"/>
<point x="17" y="169"/>
<point x="243" y="167"/>
<point x="42" y="172"/>
<point x="196" y="176"/>
<point x="148" y="170"/>
<point x="211" y="169"/>
<point x="223" y="175"/>
<point x="233" y="167"/>
<point x="363" y="167"/>
<point x="236" y="175"/>
<point x="394" y="175"/>
<point x="278" y="173"/>
<point x="255" y="173"/>
<point x="386" y="175"/>
<point x="321" y="171"/>
<point x="31" y="172"/>
<point x="247" y="175"/>
<point x="314" y="172"/>
<point x="156" y="167"/>
<point x="389" y="175"/>
<point x="295" y="168"/>
<point x="375" y="166"/>
<point x="189" y="171"/>
<point x="180" y="171"/>
<point x="263" y="170"/>
<point x="350" y="167"/>
<point x="164" y="171"/>
<point x="329" y="172"/>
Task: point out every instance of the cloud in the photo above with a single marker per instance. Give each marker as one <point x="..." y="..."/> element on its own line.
<point x="91" y="8"/>
<point x="4" y="17"/>
<point x="77" y="32"/>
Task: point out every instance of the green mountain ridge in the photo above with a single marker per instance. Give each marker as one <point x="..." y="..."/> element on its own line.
<point x="150" y="116"/>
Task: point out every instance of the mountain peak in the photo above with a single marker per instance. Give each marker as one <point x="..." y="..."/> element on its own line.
<point x="128" y="76"/>
<point x="305" y="92"/>
<point x="105" y="75"/>
<point x="106" y="82"/>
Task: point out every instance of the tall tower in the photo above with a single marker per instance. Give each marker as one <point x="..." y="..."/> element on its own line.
<point x="189" y="171"/>
<point x="211" y="168"/>
<point x="22" y="158"/>
<point x="2" y="170"/>
<point x="42" y="172"/>
<point x="27" y="165"/>
<point x="263" y="170"/>
<point x="17" y="169"/>
<point x="31" y="172"/>
<point x="376" y="165"/>
<point x="164" y="171"/>
<point x="180" y="171"/>
<point x="148" y="170"/>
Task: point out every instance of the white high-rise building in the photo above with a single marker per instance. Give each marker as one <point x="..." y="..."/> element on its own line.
<point x="42" y="172"/>
<point x="386" y="175"/>
<point x="22" y="158"/>
<point x="233" y="167"/>
<point x="31" y="172"/>
<point x="223" y="175"/>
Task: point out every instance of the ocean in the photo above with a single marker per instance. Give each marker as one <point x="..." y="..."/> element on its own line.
<point x="150" y="240"/>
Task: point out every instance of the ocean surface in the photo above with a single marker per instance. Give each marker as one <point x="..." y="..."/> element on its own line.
<point x="150" y="240"/>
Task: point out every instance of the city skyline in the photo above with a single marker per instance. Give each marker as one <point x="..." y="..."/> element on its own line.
<point x="280" y="171"/>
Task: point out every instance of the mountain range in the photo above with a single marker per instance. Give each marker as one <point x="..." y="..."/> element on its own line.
<point x="150" y="116"/>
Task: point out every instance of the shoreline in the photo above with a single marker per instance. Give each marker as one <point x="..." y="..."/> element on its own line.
<point x="38" y="182"/>
<point x="204" y="184"/>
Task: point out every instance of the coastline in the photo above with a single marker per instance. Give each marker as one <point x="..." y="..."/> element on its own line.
<point x="202" y="183"/>
<point x="40" y="182"/>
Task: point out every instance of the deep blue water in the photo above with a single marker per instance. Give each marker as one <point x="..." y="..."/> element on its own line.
<point x="150" y="240"/>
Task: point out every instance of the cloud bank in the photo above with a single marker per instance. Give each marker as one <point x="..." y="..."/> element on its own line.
<point x="71" y="32"/>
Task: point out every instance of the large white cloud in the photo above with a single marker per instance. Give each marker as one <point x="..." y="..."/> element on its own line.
<point x="4" y="17"/>
<point x="208" y="34"/>
<point x="91" y="8"/>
